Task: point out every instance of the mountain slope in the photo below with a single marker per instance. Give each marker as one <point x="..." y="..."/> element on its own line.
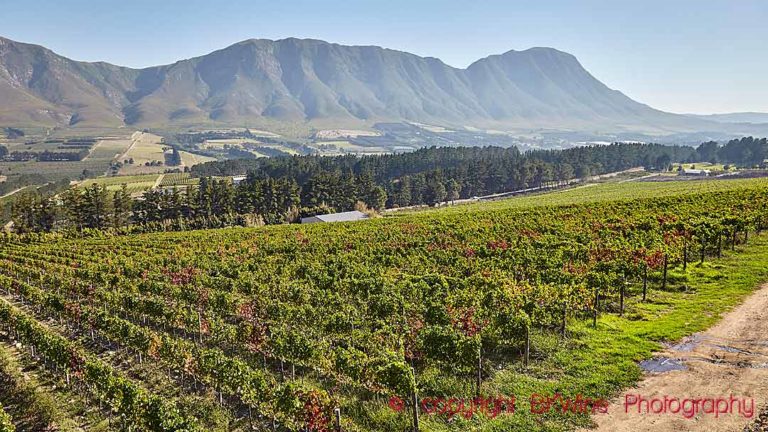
<point x="301" y="80"/>
<point x="743" y="117"/>
<point x="37" y="85"/>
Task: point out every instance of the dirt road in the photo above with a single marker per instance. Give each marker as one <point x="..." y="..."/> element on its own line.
<point x="13" y="192"/>
<point x="729" y="359"/>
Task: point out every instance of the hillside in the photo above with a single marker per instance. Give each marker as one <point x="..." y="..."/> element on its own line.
<point x="742" y="117"/>
<point x="290" y="328"/>
<point x="301" y="80"/>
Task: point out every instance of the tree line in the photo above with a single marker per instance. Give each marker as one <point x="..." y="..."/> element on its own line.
<point x="213" y="203"/>
<point x="748" y="152"/>
<point x="281" y="190"/>
<point x="432" y="175"/>
<point x="44" y="156"/>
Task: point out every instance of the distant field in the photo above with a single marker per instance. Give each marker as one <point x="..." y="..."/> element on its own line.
<point x="191" y="159"/>
<point x="431" y="128"/>
<point x="145" y="147"/>
<point x="332" y="134"/>
<point x="218" y="145"/>
<point x="134" y="184"/>
<point x="178" y="179"/>
<point x="143" y="182"/>
<point x="282" y="148"/>
<point x="55" y="170"/>
<point x="109" y="148"/>
<point x="348" y="147"/>
<point x="96" y="163"/>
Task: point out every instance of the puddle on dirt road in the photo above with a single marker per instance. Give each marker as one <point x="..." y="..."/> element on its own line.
<point x="696" y="340"/>
<point x="730" y="349"/>
<point x="662" y="364"/>
<point x="688" y="344"/>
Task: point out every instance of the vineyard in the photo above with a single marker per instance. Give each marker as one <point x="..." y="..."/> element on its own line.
<point x="322" y="327"/>
<point x="134" y="184"/>
<point x="178" y="179"/>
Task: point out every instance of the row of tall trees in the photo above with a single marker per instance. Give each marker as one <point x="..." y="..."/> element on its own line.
<point x="431" y="175"/>
<point x="90" y="207"/>
<point x="279" y="190"/>
<point x="272" y="200"/>
<point x="212" y="203"/>
<point x="745" y="152"/>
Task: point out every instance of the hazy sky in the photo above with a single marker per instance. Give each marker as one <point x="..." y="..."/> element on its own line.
<point x="699" y="56"/>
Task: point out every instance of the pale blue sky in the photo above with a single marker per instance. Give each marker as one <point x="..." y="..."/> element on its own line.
<point x="699" y="56"/>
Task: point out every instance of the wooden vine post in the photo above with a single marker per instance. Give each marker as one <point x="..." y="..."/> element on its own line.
<point x="719" y="244"/>
<point x="645" y="281"/>
<point x="565" y="320"/>
<point x="415" y="408"/>
<point x="597" y="304"/>
<point x="337" y="421"/>
<point x="621" y="299"/>
<point x="479" y="378"/>
<point x="527" y="344"/>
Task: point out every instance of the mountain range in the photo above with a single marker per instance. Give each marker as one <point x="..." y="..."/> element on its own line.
<point x="304" y="80"/>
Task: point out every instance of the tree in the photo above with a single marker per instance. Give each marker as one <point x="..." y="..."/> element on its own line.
<point x="708" y="151"/>
<point x="96" y="206"/>
<point x="401" y="192"/>
<point x="121" y="204"/>
<point x="663" y="162"/>
<point x="435" y="192"/>
<point x="174" y="158"/>
<point x="72" y="200"/>
<point x="376" y="198"/>
<point x="204" y="197"/>
<point x="565" y="172"/>
<point x="453" y="190"/>
<point x="319" y="190"/>
<point x="23" y="213"/>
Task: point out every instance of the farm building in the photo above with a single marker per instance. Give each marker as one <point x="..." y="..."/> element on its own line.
<point x="336" y="217"/>
<point x="695" y="172"/>
<point x="236" y="180"/>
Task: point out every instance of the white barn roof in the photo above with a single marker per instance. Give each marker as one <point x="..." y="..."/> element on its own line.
<point x="695" y="171"/>
<point x="336" y="217"/>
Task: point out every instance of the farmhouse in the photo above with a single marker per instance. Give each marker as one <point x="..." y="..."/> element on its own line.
<point x="336" y="217"/>
<point x="695" y="172"/>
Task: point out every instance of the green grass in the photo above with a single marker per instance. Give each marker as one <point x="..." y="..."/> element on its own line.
<point x="701" y="165"/>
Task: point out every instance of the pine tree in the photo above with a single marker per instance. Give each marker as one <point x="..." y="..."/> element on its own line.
<point x="121" y="207"/>
<point x="453" y="190"/>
